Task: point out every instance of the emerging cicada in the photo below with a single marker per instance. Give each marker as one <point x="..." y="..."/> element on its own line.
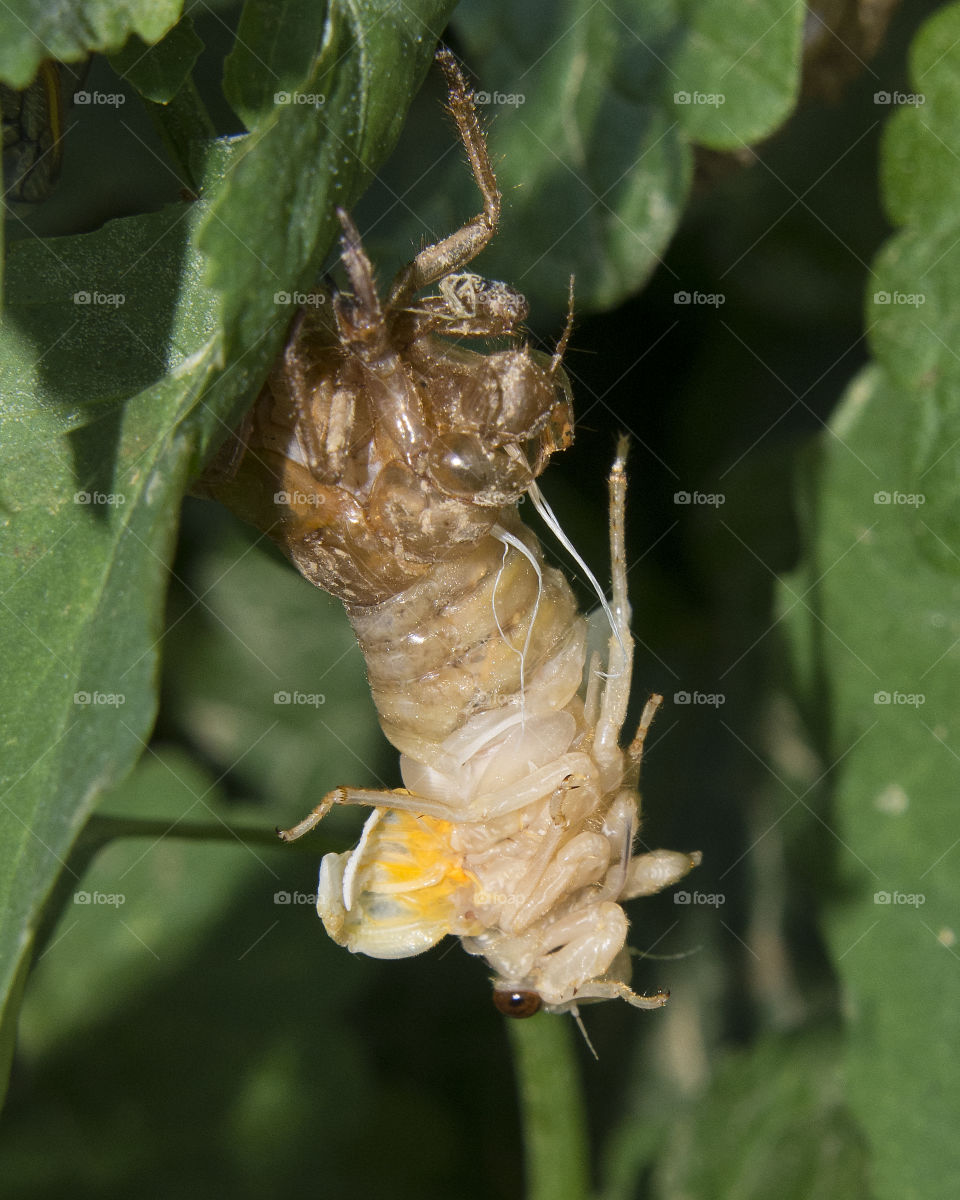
<point x="395" y="459"/>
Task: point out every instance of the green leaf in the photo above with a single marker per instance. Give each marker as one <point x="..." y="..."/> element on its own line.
<point x="120" y="369"/>
<point x="264" y="672"/>
<point x="203" y="973"/>
<point x="735" y="78"/>
<point x="103" y="425"/>
<point x="591" y="136"/>
<point x="129" y="916"/>
<point x="158" y="72"/>
<point x="882" y="647"/>
<point x="885" y="645"/>
<point x="773" y="1126"/>
<point x="912" y="309"/>
<point x="32" y="30"/>
<point x="325" y="95"/>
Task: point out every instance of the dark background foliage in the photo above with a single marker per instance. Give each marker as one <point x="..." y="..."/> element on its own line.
<point x="204" y="1035"/>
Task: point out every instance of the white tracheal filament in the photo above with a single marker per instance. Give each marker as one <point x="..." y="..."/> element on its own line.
<point x="549" y="518"/>
<point x="503" y="535"/>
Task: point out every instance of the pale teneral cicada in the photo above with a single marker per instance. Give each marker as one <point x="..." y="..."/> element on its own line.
<point x="388" y="461"/>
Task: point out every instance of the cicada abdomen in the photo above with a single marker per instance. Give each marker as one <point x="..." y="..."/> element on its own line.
<point x="389" y="461"/>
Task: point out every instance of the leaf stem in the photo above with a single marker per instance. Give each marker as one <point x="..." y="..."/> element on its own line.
<point x="552" y="1108"/>
<point x="102" y="829"/>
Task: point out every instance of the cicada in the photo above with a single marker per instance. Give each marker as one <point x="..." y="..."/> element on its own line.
<point x="388" y="459"/>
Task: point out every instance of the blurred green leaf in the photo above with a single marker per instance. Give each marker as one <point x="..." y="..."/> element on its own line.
<point x="324" y="93"/>
<point x="140" y="909"/>
<point x="739" y="67"/>
<point x="913" y="316"/>
<point x="772" y="1127"/>
<point x="120" y="369"/>
<point x="158" y="72"/>
<point x="145" y="923"/>
<point x="878" y="634"/>
<point x="265" y="678"/>
<point x="592" y="111"/>
<point x="884" y="643"/>
<point x="102" y="428"/>
<point x="32" y="30"/>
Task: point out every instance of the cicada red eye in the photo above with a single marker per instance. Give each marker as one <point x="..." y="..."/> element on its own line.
<point x="517" y="1003"/>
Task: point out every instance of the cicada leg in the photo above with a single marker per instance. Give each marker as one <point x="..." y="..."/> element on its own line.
<point x="454" y="252"/>
<point x="616" y="692"/>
